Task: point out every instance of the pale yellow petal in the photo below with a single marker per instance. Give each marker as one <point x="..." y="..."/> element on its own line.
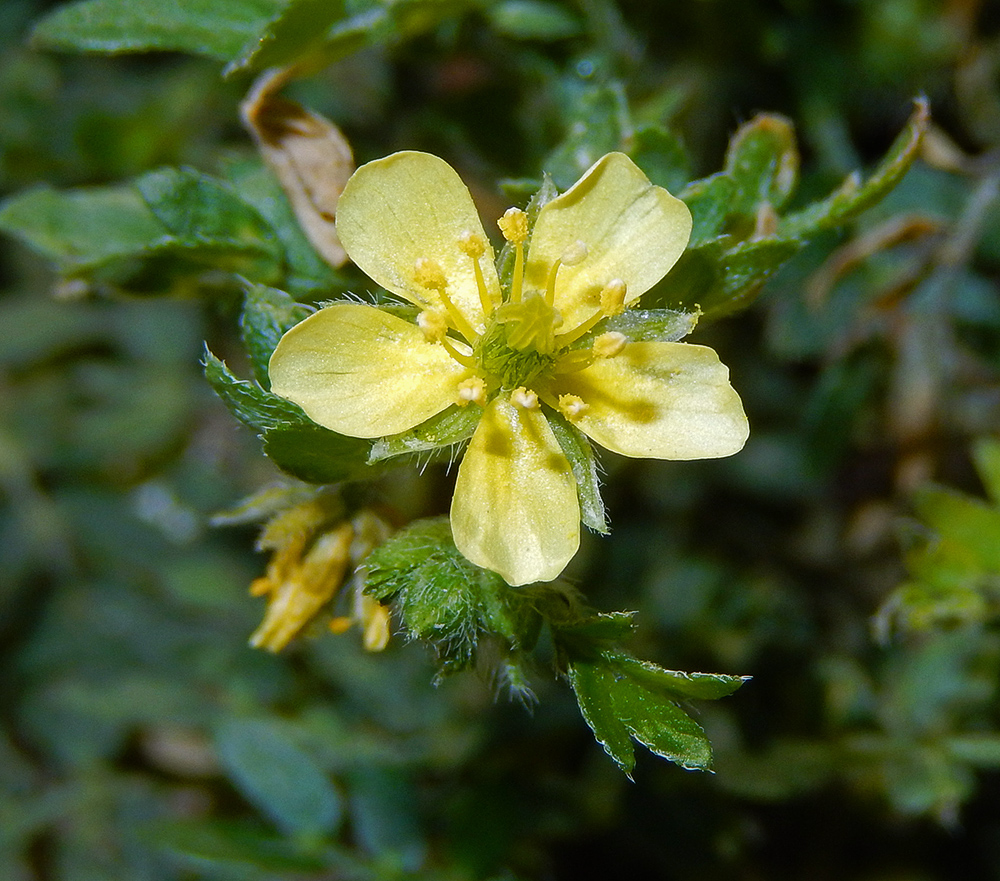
<point x="660" y="401"/>
<point x="413" y="206"/>
<point x="363" y="373"/>
<point x="633" y="231"/>
<point x="515" y="509"/>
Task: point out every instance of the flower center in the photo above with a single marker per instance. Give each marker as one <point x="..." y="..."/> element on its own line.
<point x="523" y="336"/>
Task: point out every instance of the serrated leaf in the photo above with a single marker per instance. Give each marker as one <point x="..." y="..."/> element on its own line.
<point x="452" y="426"/>
<point x="593" y="684"/>
<point x="248" y="402"/>
<point x="533" y="20"/>
<point x="267" y="314"/>
<point x="216" y="28"/>
<point x="294" y="33"/>
<point x="582" y="461"/>
<point x="704" y="686"/>
<point x="278" y="777"/>
<point x="855" y="195"/>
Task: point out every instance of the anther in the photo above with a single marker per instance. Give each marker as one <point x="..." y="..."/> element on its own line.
<point x="572" y="407"/>
<point x="471" y="245"/>
<point x="514" y="226"/>
<point x="524" y="398"/>
<point x="613" y="297"/>
<point x="609" y="344"/>
<point x="433" y="324"/>
<point x="428" y="274"/>
<point x="472" y="391"/>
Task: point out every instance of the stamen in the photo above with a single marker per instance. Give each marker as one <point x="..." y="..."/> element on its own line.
<point x="428" y="273"/>
<point x="433" y="324"/>
<point x="472" y="245"/>
<point x="524" y="398"/>
<point x="472" y="390"/>
<point x="572" y="406"/>
<point x="514" y="226"/>
<point x="550" y="283"/>
<point x="609" y="344"/>
<point x="460" y="357"/>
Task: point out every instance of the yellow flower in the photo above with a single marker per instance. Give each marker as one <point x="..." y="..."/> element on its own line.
<point x="410" y="223"/>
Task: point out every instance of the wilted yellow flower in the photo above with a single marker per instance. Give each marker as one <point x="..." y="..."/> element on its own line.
<point x="310" y="561"/>
<point x="410" y="223"/>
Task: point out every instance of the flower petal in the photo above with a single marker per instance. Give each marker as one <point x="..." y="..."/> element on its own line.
<point x="633" y="230"/>
<point x="515" y="509"/>
<point x="661" y="401"/>
<point x="363" y="372"/>
<point x="407" y="207"/>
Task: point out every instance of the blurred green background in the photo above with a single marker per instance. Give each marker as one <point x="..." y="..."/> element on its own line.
<point x="848" y="559"/>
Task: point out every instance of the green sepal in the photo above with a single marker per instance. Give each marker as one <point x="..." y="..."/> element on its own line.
<point x="268" y="313"/>
<point x="216" y="28"/>
<point x="294" y="442"/>
<point x="580" y="454"/>
<point x="452" y="426"/>
<point x="652" y="325"/>
<point x="452" y="603"/>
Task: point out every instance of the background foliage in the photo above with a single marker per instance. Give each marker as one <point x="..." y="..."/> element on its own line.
<point x="846" y="559"/>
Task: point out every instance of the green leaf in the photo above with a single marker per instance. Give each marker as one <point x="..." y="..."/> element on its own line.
<point x="855" y="195"/>
<point x="594" y="685"/>
<point x="248" y="402"/>
<point x="581" y="458"/>
<point x="613" y="626"/>
<point x="278" y="777"/>
<point x="624" y="699"/>
<point x="216" y="28"/>
<point x="706" y="686"/>
<point x="533" y="20"/>
<point x="267" y="314"/>
<point x="452" y="426"/>
<point x="169" y="225"/>
<point x="658" y="325"/>
<point x="297" y="31"/>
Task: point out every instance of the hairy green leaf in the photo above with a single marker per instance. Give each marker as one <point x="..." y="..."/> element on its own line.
<point x="267" y="314"/>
